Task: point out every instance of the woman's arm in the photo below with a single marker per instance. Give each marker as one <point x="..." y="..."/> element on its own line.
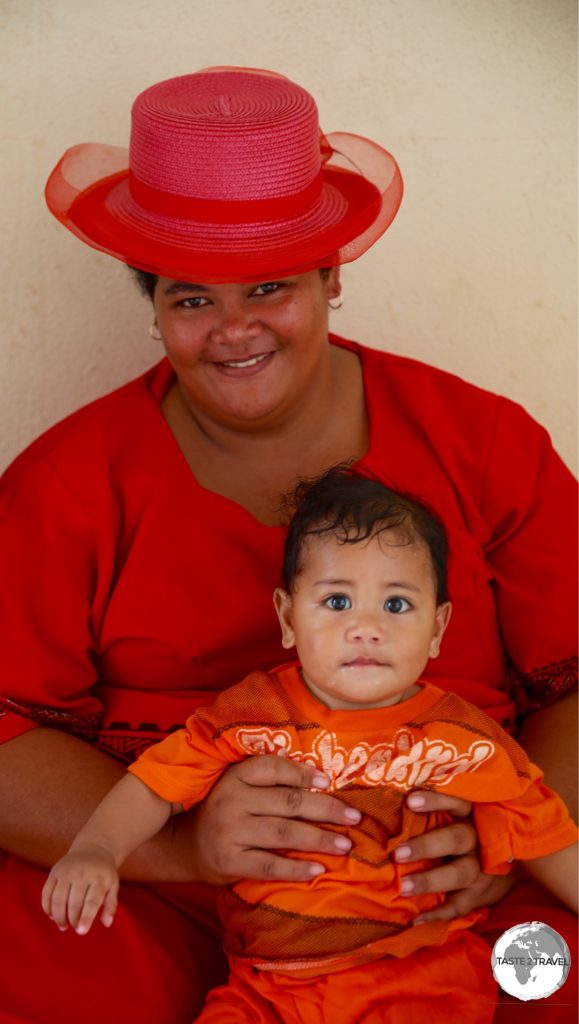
<point x="51" y="782"/>
<point x="43" y="805"/>
<point x="558" y="873"/>
<point x="549" y="737"/>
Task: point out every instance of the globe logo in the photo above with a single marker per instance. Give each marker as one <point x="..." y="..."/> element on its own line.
<point x="531" y="961"/>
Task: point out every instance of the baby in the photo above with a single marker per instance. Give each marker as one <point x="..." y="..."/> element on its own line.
<point x="365" y="603"/>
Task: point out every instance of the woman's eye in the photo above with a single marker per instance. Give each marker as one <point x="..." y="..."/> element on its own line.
<point x="338" y="602"/>
<point x="396" y="605"/>
<point x="194" y="302"/>
<point x="267" y="288"/>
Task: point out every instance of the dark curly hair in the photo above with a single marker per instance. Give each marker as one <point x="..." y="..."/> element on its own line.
<point x="354" y="509"/>
<point x="145" y="281"/>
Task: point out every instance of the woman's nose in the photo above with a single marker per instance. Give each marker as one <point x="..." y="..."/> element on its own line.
<point x="235" y="325"/>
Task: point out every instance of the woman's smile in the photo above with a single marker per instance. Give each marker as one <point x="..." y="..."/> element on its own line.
<point x="245" y="366"/>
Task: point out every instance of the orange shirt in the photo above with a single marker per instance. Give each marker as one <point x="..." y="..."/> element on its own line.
<point x="354" y="911"/>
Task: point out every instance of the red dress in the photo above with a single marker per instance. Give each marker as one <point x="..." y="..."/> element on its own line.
<point x="118" y="614"/>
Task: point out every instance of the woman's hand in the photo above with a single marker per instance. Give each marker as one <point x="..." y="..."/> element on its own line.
<point x="258" y="807"/>
<point x="461" y="876"/>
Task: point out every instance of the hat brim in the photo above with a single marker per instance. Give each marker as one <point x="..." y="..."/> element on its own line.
<point x="88" y="191"/>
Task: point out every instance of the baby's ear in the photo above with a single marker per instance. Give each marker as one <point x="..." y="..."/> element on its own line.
<point x="284" y="608"/>
<point x="443" y="613"/>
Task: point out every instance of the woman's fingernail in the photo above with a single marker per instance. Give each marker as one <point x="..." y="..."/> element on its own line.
<point x="417" y="920"/>
<point x="402" y="853"/>
<point x="352" y="814"/>
<point x="407" y="886"/>
<point x="321" y="781"/>
<point x="316" y="869"/>
<point x="416" y="801"/>
<point x="342" y="843"/>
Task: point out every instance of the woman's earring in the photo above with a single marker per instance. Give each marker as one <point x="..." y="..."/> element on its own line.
<point x="158" y="336"/>
<point x="338" y="301"/>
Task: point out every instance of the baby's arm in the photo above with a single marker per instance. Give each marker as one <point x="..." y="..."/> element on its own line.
<point x="558" y="873"/>
<point x="87" y="878"/>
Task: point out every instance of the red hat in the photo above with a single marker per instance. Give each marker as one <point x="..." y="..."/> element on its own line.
<point x="227" y="178"/>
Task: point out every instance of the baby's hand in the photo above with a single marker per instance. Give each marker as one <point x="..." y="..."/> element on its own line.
<point x="79" y="884"/>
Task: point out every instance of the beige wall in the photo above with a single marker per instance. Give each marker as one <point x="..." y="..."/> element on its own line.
<point x="476" y="98"/>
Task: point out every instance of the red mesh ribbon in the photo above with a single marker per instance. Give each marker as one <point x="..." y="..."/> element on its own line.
<point x="224" y="211"/>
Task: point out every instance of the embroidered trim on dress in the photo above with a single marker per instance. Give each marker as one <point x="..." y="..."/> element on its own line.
<point x="546" y="685"/>
<point x="126" y="743"/>
<point x="54" y="718"/>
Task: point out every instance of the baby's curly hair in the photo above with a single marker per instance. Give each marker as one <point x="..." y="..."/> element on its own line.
<point x="354" y="509"/>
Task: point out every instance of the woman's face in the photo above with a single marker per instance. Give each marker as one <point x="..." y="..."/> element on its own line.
<point x="245" y="354"/>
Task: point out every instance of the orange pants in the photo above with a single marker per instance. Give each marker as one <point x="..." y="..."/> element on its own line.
<point x="453" y="982"/>
<point x="157" y="962"/>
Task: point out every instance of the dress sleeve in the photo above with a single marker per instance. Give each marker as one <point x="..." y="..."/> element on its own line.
<point x="529" y="502"/>
<point x="48" y="554"/>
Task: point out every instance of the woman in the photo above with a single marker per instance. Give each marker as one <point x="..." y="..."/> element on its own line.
<point x="142" y="539"/>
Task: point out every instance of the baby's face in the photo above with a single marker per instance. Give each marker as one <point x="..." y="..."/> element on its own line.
<point x="363" y="618"/>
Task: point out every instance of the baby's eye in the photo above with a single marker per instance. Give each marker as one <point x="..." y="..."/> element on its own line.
<point x="338" y="602"/>
<point x="267" y="288"/>
<point x="396" y="605"/>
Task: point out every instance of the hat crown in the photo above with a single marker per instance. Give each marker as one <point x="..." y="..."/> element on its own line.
<point x="226" y="135"/>
<point x="228" y="178"/>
